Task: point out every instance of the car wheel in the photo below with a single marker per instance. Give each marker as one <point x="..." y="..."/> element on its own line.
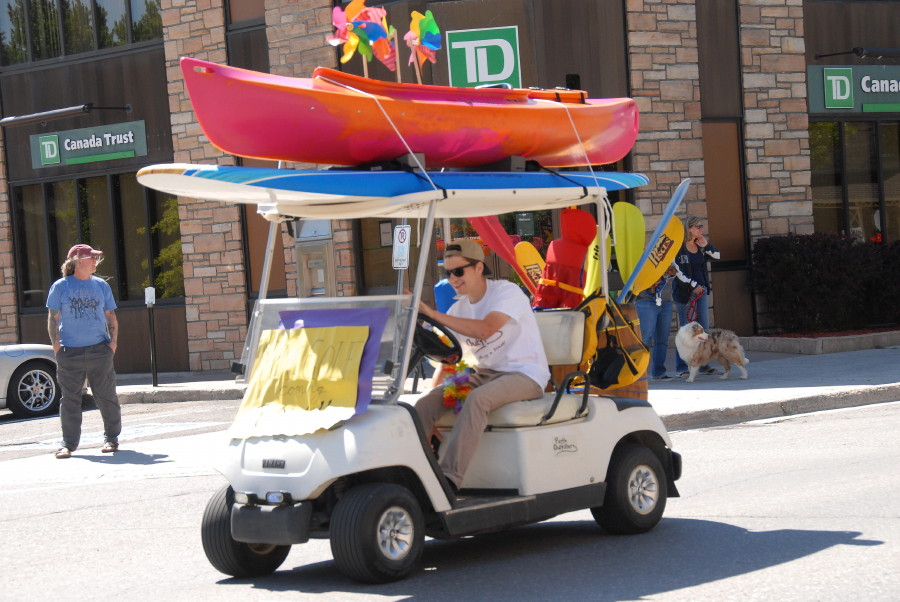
<point x="33" y="391"/>
<point x="231" y="557"/>
<point x="377" y="533"/>
<point x="635" y="492"/>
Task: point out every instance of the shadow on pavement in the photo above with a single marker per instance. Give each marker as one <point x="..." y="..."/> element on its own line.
<point x="127" y="456"/>
<point x="561" y="560"/>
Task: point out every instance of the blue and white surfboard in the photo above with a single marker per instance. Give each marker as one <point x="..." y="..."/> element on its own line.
<point x="352" y="193"/>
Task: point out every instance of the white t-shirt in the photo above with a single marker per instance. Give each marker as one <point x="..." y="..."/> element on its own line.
<point x="516" y="347"/>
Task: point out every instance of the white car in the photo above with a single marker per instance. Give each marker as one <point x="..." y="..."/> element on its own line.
<point x="28" y="380"/>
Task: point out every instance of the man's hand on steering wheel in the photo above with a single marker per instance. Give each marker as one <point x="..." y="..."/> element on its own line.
<point x="443" y="347"/>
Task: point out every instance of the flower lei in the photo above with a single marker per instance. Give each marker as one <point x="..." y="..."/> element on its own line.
<point x="456" y="385"/>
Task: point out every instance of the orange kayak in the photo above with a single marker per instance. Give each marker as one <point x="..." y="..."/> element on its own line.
<point x="336" y="118"/>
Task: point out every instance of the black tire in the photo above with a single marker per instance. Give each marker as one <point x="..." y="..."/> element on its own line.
<point x="635" y="492"/>
<point x="232" y="557"/>
<point x="377" y="533"/>
<point x="33" y="391"/>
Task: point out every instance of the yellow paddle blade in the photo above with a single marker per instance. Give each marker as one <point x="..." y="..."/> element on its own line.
<point x="592" y="265"/>
<point x="661" y="256"/>
<point x="630" y="237"/>
<point x="531" y="262"/>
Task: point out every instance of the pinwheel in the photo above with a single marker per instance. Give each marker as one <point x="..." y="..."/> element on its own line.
<point x="364" y="30"/>
<point x="423" y="38"/>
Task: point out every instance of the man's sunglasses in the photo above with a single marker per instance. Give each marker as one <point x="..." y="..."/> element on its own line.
<point x="458" y="272"/>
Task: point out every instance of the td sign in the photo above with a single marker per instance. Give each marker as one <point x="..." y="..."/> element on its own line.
<point x="484" y="56"/>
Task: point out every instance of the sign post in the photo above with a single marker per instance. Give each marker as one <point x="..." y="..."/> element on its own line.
<point x="150" y="300"/>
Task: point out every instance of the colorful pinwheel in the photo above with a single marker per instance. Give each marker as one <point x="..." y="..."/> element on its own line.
<point x="423" y="38"/>
<point x="365" y="30"/>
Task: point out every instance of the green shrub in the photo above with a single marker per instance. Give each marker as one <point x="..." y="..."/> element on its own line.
<point x="822" y="282"/>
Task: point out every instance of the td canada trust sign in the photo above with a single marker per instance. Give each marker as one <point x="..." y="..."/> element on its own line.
<point x="854" y="89"/>
<point x="88" y="145"/>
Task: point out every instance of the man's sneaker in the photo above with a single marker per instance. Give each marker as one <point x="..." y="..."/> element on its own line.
<point x="63" y="452"/>
<point x="110" y="447"/>
<point x="711" y="371"/>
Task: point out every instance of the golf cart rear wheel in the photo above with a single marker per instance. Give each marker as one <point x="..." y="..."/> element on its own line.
<point x="377" y="533"/>
<point x="635" y="493"/>
<point x="232" y="557"/>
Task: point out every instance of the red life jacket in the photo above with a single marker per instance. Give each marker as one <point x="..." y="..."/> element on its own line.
<point x="561" y="284"/>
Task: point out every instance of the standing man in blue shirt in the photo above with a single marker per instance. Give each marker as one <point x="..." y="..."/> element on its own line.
<point x="84" y="334"/>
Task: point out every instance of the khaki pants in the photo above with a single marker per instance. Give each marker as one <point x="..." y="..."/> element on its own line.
<point x="491" y="390"/>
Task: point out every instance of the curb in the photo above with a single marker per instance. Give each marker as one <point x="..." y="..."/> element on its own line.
<point x="821" y="345"/>
<point x="789" y="407"/>
<point x="163" y="395"/>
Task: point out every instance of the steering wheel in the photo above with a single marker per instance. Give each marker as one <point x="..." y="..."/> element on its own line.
<point x="430" y="343"/>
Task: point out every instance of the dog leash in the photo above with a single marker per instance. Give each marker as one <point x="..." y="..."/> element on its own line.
<point x="692" y="312"/>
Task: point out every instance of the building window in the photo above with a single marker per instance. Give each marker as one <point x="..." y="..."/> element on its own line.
<point x="77" y="27"/>
<point x="13" y="38"/>
<point x="856" y="179"/>
<point x="146" y="20"/>
<point x="37" y="30"/>
<point x="137" y="229"/>
<point x="112" y="23"/>
<point x="42" y="17"/>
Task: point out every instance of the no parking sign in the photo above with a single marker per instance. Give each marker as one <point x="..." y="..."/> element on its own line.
<point x="400" y="254"/>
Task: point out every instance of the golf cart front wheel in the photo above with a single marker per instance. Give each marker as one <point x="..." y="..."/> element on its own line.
<point x="231" y="557"/>
<point x="377" y="533"/>
<point x="635" y="492"/>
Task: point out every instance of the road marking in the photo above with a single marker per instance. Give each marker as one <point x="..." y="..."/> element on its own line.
<point x="129" y="433"/>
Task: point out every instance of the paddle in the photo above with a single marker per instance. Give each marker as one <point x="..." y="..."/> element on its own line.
<point x="628" y="226"/>
<point x="530" y="261"/>
<point x="674" y="202"/>
<point x="661" y="256"/>
<point x="592" y="265"/>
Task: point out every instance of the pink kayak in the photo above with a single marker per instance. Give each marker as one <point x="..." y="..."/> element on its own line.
<point x="335" y="118"/>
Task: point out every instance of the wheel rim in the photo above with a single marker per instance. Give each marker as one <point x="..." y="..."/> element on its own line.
<point x="643" y="489"/>
<point x="395" y="533"/>
<point x="36" y="390"/>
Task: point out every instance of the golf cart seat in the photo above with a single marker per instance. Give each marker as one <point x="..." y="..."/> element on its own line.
<point x="562" y="332"/>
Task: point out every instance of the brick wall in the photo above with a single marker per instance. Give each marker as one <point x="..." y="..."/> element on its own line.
<point x="9" y="331"/>
<point x="214" y="278"/>
<point x="662" y="40"/>
<point x="777" y="127"/>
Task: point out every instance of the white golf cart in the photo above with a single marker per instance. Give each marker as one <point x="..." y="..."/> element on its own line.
<point x="366" y="476"/>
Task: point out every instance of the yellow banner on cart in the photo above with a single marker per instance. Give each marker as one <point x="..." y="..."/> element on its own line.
<point x="307" y="368"/>
<point x="304" y="380"/>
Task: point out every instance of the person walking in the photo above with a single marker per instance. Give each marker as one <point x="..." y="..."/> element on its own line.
<point x="692" y="293"/>
<point x="84" y="333"/>
<point x="654" y="309"/>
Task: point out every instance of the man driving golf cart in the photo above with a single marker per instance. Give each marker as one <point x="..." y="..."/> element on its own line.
<point x="494" y="322"/>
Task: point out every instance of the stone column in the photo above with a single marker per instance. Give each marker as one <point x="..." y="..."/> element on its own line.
<point x="665" y="82"/>
<point x="776" y="133"/>
<point x="297" y="32"/>
<point x="9" y="329"/>
<point x="211" y="237"/>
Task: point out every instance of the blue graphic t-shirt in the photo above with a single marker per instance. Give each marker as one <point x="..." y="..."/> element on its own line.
<point x="82" y="305"/>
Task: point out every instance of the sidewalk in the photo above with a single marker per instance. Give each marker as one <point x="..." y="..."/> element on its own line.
<point x="780" y="384"/>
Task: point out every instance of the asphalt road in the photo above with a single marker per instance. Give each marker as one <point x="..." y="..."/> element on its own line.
<point x="797" y="509"/>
